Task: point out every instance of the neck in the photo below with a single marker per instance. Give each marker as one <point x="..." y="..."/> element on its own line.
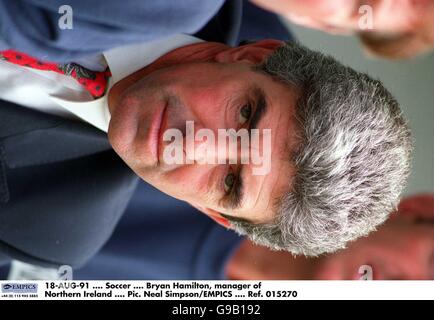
<point x="198" y="52"/>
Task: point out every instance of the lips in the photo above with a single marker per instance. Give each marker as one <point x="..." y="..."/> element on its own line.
<point x="154" y="135"/>
<point x="161" y="129"/>
<point x="167" y="117"/>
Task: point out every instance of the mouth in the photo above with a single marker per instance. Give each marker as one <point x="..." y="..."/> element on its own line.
<point x="156" y="134"/>
<point x="163" y="125"/>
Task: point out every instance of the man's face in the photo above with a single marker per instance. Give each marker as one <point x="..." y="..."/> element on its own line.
<point x="215" y="95"/>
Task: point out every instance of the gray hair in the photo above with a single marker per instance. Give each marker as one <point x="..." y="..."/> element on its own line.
<point x="352" y="161"/>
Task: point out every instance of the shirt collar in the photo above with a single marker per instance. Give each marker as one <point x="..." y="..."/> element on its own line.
<point x="122" y="62"/>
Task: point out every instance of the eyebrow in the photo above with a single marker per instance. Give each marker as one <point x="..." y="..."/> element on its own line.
<point x="261" y="108"/>
<point x="238" y="194"/>
<point x="234" y="219"/>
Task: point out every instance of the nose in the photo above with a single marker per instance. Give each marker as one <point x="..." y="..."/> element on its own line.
<point x="199" y="145"/>
<point x="207" y="147"/>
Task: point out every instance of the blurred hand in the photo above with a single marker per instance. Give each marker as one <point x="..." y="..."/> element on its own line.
<point x="397" y="251"/>
<point x="389" y="28"/>
<point x="403" y="248"/>
<point x="253" y="262"/>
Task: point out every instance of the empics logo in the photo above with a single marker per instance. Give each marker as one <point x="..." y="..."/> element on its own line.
<point x="20" y="288"/>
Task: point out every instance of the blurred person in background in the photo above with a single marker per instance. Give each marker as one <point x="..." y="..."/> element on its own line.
<point x="386" y="28"/>
<point x="401" y="249"/>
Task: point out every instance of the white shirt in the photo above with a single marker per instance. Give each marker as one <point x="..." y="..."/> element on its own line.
<point x="62" y="95"/>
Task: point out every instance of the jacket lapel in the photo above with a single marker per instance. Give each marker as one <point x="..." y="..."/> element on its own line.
<point x="30" y="138"/>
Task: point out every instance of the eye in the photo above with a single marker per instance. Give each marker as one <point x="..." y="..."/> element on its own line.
<point x="245" y="113"/>
<point x="229" y="182"/>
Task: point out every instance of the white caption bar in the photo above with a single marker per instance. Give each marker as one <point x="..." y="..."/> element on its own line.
<point x="217" y="290"/>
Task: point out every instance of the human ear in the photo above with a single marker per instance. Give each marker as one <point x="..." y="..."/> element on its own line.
<point x="214" y="215"/>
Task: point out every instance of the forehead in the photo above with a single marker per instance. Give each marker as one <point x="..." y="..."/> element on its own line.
<point x="262" y="191"/>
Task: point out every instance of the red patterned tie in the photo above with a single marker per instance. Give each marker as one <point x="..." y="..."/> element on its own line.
<point x="94" y="82"/>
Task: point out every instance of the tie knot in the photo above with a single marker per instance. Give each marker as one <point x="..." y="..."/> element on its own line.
<point x="95" y="82"/>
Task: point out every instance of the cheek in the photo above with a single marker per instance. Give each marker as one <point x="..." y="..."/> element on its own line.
<point x="187" y="183"/>
<point x="211" y="102"/>
<point x="122" y="127"/>
<point x="208" y="103"/>
<point x="396" y="16"/>
<point x="207" y="92"/>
